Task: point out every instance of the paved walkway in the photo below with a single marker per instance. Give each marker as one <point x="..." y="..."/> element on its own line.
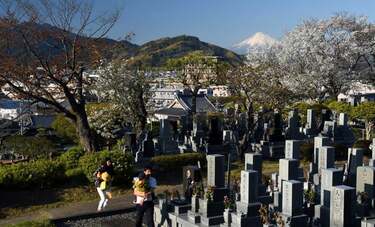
<point x="75" y="210"/>
<point x="80" y="210"/>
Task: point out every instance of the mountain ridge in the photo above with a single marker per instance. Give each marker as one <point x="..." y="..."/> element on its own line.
<point x="154" y="53"/>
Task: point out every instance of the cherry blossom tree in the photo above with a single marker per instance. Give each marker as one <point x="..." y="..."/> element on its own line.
<point x="45" y="48"/>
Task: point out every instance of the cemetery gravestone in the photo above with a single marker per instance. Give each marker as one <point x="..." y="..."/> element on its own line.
<point x="326" y="158"/>
<point x="342" y="206"/>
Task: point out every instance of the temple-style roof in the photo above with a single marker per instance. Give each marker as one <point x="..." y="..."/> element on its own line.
<point x="182" y="105"/>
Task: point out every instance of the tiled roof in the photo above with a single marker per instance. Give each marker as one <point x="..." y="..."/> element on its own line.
<point x="172" y="112"/>
<point x="202" y="103"/>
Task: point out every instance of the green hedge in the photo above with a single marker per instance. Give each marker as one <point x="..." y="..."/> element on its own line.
<point x="71" y="157"/>
<point x="76" y="176"/>
<point x="177" y="161"/>
<point x="35" y="174"/>
<point x="68" y="168"/>
<point x="123" y="165"/>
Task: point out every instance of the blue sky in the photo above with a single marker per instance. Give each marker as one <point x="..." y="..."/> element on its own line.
<point x="223" y="22"/>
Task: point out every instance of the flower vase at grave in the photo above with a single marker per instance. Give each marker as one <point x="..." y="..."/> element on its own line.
<point x="195" y="203"/>
<point x="227" y="215"/>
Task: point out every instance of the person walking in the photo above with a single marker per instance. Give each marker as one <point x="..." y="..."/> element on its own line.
<point x="145" y="206"/>
<point x="103" y="180"/>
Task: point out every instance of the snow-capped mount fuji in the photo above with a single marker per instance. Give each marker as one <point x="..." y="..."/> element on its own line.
<point x="258" y="40"/>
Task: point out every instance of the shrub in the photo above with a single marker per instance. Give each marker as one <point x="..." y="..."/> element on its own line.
<point x="65" y="129"/>
<point x="365" y="144"/>
<point x="32" y="147"/>
<point x="71" y="157"/>
<point x="123" y="165"/>
<point x="76" y="176"/>
<point x="36" y="174"/>
<point x="177" y="161"/>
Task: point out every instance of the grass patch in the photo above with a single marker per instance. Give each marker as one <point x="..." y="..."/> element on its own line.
<point x="43" y="223"/>
<point x="268" y="168"/>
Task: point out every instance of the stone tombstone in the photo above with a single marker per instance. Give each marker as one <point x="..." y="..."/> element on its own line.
<point x="330" y="177"/>
<point x="200" y="124"/>
<point x="292" y="149"/>
<point x="130" y="140"/>
<point x="276" y="134"/>
<point x="253" y="161"/>
<point x="372" y="147"/>
<point x="326" y="158"/>
<point x="368" y="222"/>
<point x="165" y="128"/>
<point x="292" y="197"/>
<point x="342" y="206"/>
<point x="355" y="158"/>
<point x="329" y="128"/>
<point x="343" y="119"/>
<point x="215" y="131"/>
<point x="293" y="130"/>
<point x="319" y="141"/>
<point x="249" y="186"/>
<point x="148" y="147"/>
<point x="325" y="116"/>
<point x="215" y="170"/>
<point x="311" y="119"/>
<point x="366" y="180"/>
<point x="227" y="136"/>
<point x="288" y="169"/>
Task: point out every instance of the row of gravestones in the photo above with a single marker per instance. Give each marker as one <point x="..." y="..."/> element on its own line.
<point x="336" y="189"/>
<point x="336" y="128"/>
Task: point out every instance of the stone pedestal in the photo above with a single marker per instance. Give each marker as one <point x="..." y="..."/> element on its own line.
<point x="295" y="221"/>
<point x="241" y="220"/>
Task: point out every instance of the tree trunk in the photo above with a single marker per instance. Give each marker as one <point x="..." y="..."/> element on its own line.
<point x="368" y="128"/>
<point x="142" y="116"/>
<point x="86" y="138"/>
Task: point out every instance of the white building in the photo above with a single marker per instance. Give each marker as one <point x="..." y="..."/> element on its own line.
<point x="11" y="109"/>
<point x="357" y="94"/>
<point x="220" y="91"/>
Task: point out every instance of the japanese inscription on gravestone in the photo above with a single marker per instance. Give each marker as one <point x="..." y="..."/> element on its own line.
<point x="338" y="210"/>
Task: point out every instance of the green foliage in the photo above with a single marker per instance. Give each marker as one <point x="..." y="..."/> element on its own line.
<point x="156" y="53"/>
<point x="36" y="174"/>
<point x="65" y="129"/>
<point x="177" y="161"/>
<point x="365" y="111"/>
<point x="44" y="223"/>
<point x="307" y="152"/>
<point x="309" y="195"/>
<point x="364" y="144"/>
<point x="70" y="158"/>
<point x="76" y="176"/>
<point x="302" y="108"/>
<point x="123" y="164"/>
<point x="341" y="107"/>
<point x="31" y="147"/>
